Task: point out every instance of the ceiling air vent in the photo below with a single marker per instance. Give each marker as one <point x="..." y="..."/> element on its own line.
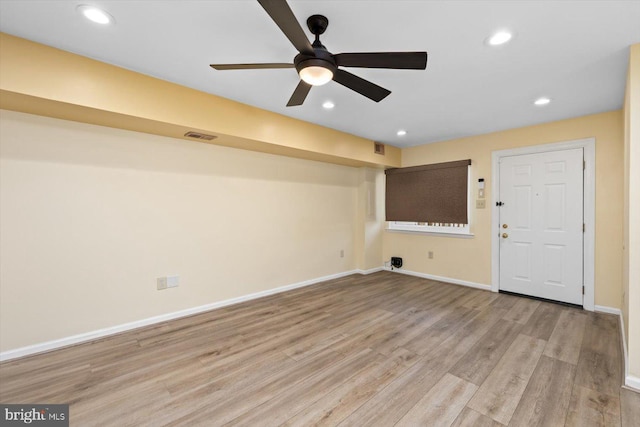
<point x="198" y="135"/>
<point x="378" y="148"/>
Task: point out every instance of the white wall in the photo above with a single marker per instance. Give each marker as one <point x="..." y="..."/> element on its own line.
<point x="91" y="216"/>
<point x="631" y="220"/>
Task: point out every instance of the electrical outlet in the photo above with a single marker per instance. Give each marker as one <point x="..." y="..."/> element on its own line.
<point x="168" y="282"/>
<point x="481" y="204"/>
<point x="173" y="281"/>
<point x="430" y="254"/>
<point x="341" y="253"/>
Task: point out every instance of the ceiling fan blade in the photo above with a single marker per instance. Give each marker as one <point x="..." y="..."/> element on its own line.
<point x="284" y="18"/>
<point x="250" y="66"/>
<point x="360" y="85"/>
<point x="397" y="60"/>
<point x="299" y="95"/>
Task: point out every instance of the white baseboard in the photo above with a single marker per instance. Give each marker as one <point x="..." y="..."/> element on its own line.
<point x="629" y="380"/>
<point x="608" y="310"/>
<point x="632" y="382"/>
<point x="101" y="333"/>
<point x="442" y="279"/>
<point x="369" y="271"/>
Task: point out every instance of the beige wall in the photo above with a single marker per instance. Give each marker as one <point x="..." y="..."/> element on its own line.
<point x="470" y="259"/>
<point x="369" y="220"/>
<point x="91" y="216"/>
<point x="631" y="268"/>
<point x="72" y="87"/>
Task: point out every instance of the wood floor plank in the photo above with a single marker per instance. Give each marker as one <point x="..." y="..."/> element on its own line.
<point x="442" y="404"/>
<point x="500" y="394"/>
<point x="359" y="350"/>
<point x="224" y="402"/>
<point x="478" y="363"/>
<point x="285" y="405"/>
<point x="43" y="386"/>
<point x="338" y="404"/>
<point x="419" y="321"/>
<point x="522" y="310"/>
<point x="209" y="378"/>
<point x="470" y="418"/>
<point x="464" y="338"/>
<point x="456" y="318"/>
<point x="546" y="398"/>
<point x="414" y="323"/>
<point x="397" y="398"/>
<point x="129" y="408"/>
<point x="629" y="408"/>
<point x="543" y="321"/>
<point x="566" y="340"/>
<point x="320" y="340"/>
<point x="481" y="300"/>
<point x="590" y="408"/>
<point x="45" y="365"/>
<point x="599" y="366"/>
<point x="221" y="352"/>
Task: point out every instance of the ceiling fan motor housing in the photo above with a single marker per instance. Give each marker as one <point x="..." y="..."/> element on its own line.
<point x="322" y="58"/>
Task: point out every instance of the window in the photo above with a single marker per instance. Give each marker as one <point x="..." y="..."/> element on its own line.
<point x="429" y="199"/>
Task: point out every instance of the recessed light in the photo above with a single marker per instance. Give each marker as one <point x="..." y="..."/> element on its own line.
<point x="542" y="101"/>
<point x="498" y="38"/>
<point x="328" y="105"/>
<point x="95" y="14"/>
<point x="401" y="132"/>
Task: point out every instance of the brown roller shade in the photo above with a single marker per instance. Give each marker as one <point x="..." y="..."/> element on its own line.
<point x="429" y="193"/>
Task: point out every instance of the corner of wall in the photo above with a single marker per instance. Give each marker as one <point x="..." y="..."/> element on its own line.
<point x="369" y="223"/>
<point x="631" y="220"/>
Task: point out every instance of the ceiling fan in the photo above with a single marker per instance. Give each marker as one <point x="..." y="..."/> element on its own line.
<point x="316" y="65"/>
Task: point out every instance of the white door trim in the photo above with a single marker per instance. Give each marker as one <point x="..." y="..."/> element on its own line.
<point x="589" y="209"/>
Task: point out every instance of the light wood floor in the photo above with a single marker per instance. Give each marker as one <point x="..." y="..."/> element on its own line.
<point x="377" y="350"/>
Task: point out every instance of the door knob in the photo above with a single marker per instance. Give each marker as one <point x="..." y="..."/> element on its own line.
<point x="505" y="235"/>
<point x="505" y="226"/>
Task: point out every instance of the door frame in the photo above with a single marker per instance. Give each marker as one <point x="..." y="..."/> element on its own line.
<point x="589" y="207"/>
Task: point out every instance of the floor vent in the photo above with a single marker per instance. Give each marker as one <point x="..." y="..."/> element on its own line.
<point x="198" y="135"/>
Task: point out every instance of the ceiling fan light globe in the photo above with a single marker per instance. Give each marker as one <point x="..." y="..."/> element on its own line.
<point x="316" y="75"/>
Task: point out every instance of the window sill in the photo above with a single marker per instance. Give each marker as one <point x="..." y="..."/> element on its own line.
<point x="432" y="233"/>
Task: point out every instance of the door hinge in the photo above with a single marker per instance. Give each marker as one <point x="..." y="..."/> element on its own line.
<point x="584" y="227"/>
<point x="584" y="165"/>
<point x="582" y="289"/>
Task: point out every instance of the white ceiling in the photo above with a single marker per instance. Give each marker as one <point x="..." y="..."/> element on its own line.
<point x="574" y="52"/>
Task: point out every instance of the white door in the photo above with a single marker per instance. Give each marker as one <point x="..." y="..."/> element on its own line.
<point x="541" y="225"/>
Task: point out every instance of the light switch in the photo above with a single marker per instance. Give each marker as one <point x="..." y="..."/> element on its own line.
<point x="168" y="282"/>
